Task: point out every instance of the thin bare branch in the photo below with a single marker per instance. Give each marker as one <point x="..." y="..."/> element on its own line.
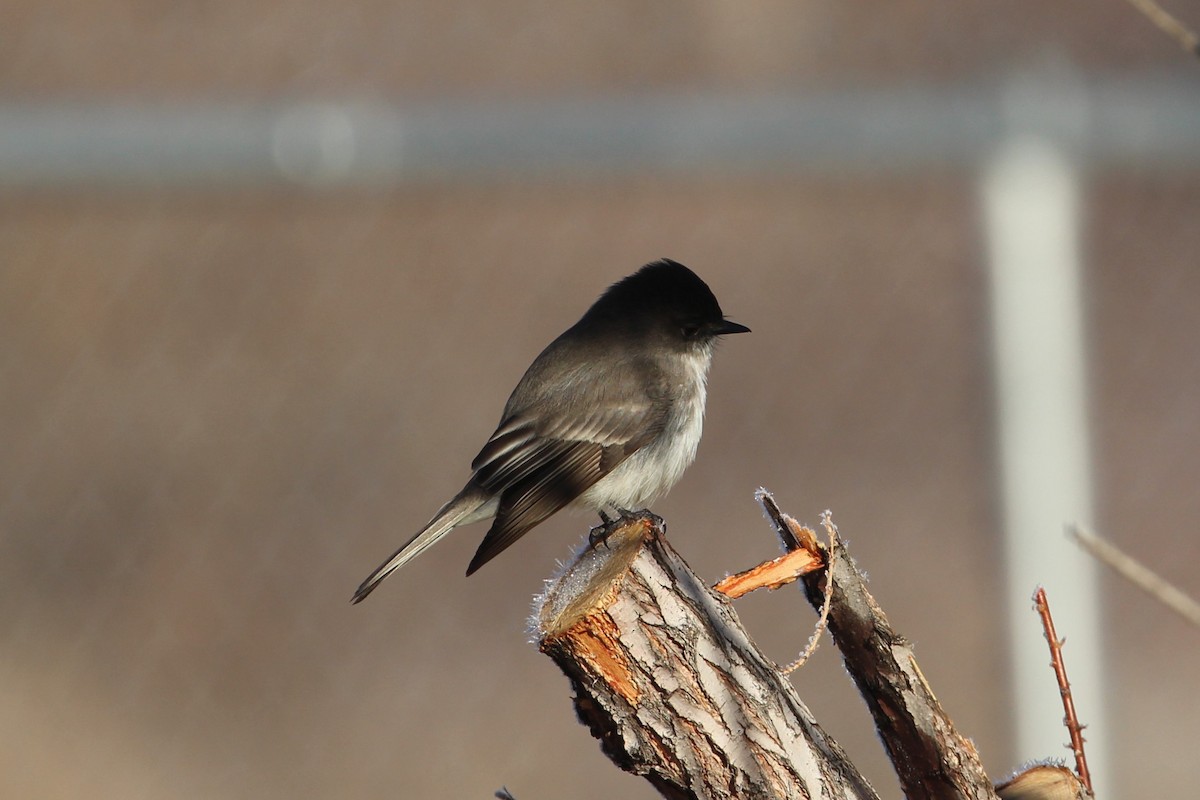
<point x="1064" y="687"/>
<point x="1138" y="574"/>
<point x="1169" y="25"/>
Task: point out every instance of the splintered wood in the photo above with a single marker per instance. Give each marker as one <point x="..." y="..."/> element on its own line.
<point x="771" y="574"/>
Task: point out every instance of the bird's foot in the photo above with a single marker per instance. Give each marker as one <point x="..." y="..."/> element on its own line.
<point x="607" y="525"/>
<point x="601" y="532"/>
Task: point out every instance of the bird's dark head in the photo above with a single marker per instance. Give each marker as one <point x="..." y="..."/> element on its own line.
<point x="664" y="297"/>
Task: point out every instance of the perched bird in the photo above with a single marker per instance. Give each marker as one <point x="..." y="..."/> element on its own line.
<point x="608" y="416"/>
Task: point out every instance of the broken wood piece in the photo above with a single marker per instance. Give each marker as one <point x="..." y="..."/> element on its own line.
<point x="770" y="574"/>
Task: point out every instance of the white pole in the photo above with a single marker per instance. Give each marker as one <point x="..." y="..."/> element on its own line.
<point x="1031" y="204"/>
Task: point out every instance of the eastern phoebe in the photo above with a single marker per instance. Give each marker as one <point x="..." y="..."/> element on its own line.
<point x="608" y="416"/>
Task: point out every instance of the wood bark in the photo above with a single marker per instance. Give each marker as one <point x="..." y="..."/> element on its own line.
<point x="671" y="684"/>
<point x="675" y="690"/>
<point x="932" y="759"/>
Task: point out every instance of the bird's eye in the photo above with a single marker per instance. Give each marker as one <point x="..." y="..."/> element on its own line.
<point x="690" y="331"/>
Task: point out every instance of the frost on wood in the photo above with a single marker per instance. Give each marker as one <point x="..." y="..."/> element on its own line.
<point x="672" y="686"/>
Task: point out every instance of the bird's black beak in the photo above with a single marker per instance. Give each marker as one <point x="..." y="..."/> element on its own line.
<point x="726" y="326"/>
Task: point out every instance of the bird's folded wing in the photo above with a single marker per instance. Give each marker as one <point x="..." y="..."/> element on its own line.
<point x="539" y="466"/>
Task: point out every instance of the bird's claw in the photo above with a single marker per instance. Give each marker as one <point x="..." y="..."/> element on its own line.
<point x="608" y="524"/>
<point x="600" y="533"/>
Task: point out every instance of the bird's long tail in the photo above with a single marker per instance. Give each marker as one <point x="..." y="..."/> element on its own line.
<point x="470" y="505"/>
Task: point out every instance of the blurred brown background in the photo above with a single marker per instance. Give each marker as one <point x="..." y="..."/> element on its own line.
<point x="222" y="405"/>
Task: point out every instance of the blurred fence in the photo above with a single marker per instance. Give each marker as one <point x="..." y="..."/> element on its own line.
<point x="1149" y="121"/>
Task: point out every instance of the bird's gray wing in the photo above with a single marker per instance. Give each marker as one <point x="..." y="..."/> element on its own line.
<point x="539" y="463"/>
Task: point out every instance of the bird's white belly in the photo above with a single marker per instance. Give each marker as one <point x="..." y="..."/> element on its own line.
<point x="653" y="470"/>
